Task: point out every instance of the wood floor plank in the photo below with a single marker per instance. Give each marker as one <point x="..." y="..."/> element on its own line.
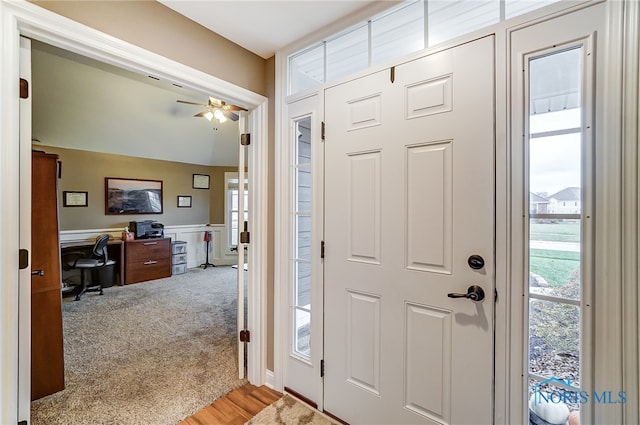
<point x="247" y="403"/>
<point x="266" y="395"/>
<point x="235" y="408"/>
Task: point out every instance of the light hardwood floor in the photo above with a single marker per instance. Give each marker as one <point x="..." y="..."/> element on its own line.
<point x="237" y="407"/>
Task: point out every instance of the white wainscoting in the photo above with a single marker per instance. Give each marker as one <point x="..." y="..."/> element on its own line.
<point x="192" y="234"/>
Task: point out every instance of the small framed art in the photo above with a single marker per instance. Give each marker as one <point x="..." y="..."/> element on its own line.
<point x="201" y="181"/>
<point x="184" y="201"/>
<point x="75" y="198"/>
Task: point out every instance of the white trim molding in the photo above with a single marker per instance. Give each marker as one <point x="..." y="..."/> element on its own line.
<point x="631" y="211"/>
<point x="20" y="17"/>
<point x="192" y="234"/>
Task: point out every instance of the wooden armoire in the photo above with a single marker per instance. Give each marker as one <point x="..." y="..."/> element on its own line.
<point x="47" y="355"/>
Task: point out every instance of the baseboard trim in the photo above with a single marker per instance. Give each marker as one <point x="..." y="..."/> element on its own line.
<point x="270" y="379"/>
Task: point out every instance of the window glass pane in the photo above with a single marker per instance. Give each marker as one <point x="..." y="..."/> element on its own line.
<point x="348" y="53"/>
<point x="554" y="121"/>
<point x="520" y="7"/>
<point x="554" y="340"/>
<point x="398" y="33"/>
<point x="304" y="190"/>
<point x="303" y="287"/>
<point x="448" y="19"/>
<point x="304" y="140"/>
<point x="306" y="69"/>
<point x="554" y="258"/>
<point x="234" y="200"/>
<point x="302" y="334"/>
<point x="555" y="82"/>
<point x="303" y="250"/>
<point x="555" y="172"/>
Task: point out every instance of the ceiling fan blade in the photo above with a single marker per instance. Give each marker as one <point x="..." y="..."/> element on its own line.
<point x="231" y="115"/>
<point x="201" y="114"/>
<point x="190" y="103"/>
<point x="234" y="108"/>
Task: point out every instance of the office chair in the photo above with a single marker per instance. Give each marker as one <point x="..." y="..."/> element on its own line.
<point x="99" y="259"/>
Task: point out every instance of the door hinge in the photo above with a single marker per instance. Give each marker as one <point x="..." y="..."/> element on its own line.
<point x="23" y="259"/>
<point x="392" y="77"/>
<point x="321" y="249"/>
<point x="245" y="335"/>
<point x="245" y="139"/>
<point x="245" y="236"/>
<point x="322" y="368"/>
<point x="322" y="130"/>
<point x="495" y="295"/>
<point x="24" y="88"/>
<point x="22" y="423"/>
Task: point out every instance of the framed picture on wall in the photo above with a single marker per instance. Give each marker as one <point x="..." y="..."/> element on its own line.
<point x="75" y="198"/>
<point x="200" y="181"/>
<point x="132" y="196"/>
<point x="184" y="201"/>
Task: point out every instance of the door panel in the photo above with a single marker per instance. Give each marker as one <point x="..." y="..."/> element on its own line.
<point x="409" y="196"/>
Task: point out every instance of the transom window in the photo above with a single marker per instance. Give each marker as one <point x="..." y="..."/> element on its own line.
<point x="407" y="28"/>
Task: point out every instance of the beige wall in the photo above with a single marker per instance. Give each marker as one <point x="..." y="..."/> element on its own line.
<point x="85" y="171"/>
<point x="155" y="27"/>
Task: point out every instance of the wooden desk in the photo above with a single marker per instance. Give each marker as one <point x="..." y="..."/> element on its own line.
<point x="115" y="248"/>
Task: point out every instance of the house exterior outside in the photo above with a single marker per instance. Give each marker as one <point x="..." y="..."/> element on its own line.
<point x="566" y="201"/>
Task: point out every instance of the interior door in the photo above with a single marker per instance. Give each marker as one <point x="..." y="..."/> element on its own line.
<point x="242" y="243"/>
<point x="24" y="294"/>
<point x="409" y="204"/>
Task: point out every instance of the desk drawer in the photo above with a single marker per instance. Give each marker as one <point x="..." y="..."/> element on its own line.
<point x="140" y="271"/>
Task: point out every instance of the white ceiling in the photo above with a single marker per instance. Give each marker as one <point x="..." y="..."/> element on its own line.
<point x="83" y="104"/>
<point x="264" y="27"/>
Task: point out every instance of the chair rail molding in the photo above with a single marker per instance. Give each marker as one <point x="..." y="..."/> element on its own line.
<point x="192" y="234"/>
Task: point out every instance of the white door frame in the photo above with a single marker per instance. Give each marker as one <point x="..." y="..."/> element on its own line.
<point x="23" y="18"/>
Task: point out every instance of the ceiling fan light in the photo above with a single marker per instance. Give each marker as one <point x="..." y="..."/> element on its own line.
<point x="209" y="115"/>
<point x="219" y="115"/>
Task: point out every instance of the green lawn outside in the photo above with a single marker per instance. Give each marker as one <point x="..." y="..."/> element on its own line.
<point x="556" y="267"/>
<point x="556" y="232"/>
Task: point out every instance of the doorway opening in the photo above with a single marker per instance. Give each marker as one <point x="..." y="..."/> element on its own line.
<point x="107" y="338"/>
<point x="30" y="21"/>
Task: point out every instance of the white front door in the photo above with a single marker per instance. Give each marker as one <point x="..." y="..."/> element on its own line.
<point x="409" y="199"/>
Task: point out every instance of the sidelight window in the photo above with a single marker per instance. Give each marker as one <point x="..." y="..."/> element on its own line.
<point x="302" y="210"/>
<point x="557" y="147"/>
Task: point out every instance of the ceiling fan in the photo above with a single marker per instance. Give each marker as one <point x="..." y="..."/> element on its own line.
<point x="216" y="108"/>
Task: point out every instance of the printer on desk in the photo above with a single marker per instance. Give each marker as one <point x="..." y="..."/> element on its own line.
<point x="146" y="229"/>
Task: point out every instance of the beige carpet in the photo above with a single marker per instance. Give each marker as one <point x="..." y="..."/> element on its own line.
<point x="150" y="353"/>
<point x="289" y="411"/>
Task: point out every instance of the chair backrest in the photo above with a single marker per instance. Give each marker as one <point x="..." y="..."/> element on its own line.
<point x="100" y="248"/>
